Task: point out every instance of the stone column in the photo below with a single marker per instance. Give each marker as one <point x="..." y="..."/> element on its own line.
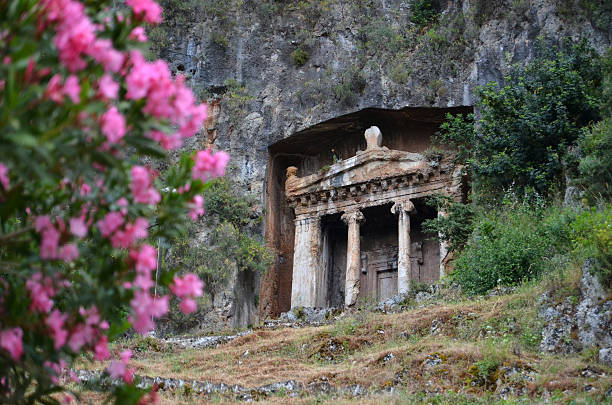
<point x="443" y="248"/>
<point x="306" y="260"/>
<point x="353" y="257"/>
<point x="404" y="271"/>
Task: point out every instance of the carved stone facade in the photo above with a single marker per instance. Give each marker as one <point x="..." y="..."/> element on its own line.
<point x="373" y="197"/>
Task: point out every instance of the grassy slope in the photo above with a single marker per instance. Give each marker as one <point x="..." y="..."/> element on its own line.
<point x="473" y="341"/>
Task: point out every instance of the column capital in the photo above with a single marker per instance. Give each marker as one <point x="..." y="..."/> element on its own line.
<point x="353" y="216"/>
<point x="402" y="206"/>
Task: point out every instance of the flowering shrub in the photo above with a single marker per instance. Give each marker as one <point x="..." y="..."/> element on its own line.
<point x="80" y="108"/>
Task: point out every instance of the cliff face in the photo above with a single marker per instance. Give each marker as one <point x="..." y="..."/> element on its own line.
<point x="272" y="68"/>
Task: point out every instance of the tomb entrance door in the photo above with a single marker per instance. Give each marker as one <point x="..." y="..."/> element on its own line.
<point x="379" y="274"/>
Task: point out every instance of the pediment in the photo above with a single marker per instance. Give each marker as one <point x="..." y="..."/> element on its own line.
<point x="368" y="166"/>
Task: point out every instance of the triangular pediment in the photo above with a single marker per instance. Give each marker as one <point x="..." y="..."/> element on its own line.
<point x="371" y="165"/>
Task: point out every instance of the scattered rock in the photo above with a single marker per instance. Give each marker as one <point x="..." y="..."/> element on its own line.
<point x="203" y="341"/>
<point x="305" y="316"/>
<point x="436" y="326"/>
<point x="434" y="359"/>
<point x="388" y="358"/>
<point x="605" y="356"/>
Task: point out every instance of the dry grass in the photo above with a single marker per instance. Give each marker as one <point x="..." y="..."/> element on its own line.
<point x="469" y="336"/>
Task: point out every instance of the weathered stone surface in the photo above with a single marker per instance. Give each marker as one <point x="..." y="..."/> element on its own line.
<point x="241" y="61"/>
<point x="568" y="327"/>
<point x="605" y="356"/>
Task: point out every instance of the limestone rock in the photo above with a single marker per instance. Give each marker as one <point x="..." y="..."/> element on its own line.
<point x="605" y="356"/>
<point x="570" y="328"/>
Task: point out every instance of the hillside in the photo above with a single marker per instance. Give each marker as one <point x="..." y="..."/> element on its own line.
<point x="440" y="348"/>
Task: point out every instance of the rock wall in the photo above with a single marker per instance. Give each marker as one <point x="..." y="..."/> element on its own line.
<point x="273" y="68"/>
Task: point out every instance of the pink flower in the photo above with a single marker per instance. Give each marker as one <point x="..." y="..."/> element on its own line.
<point x="42" y="222"/>
<point x="68" y="252"/>
<point x="187" y="286"/>
<point x="103" y="52"/>
<point x="110" y="223"/>
<point x="188" y="306"/>
<point x="138" y="34"/>
<point x="118" y="369"/>
<point x="123" y="204"/>
<point x="167" y="141"/>
<point x="80" y="336"/>
<point x="196" y="207"/>
<point x="85" y="189"/>
<point x="75" y="33"/>
<point x="72" y="88"/>
<point x="54" y="89"/>
<point x="50" y="241"/>
<point x="208" y="165"/>
<point x="11" y="341"/>
<point x="101" y="349"/>
<point x="142" y="188"/>
<point x="126" y="355"/>
<point x="108" y="87"/>
<point x="113" y="125"/>
<point x="41" y="291"/>
<point x="125" y="238"/>
<point x="145" y="258"/>
<point x="57" y="369"/>
<point x="78" y="227"/>
<point x="55" y="322"/>
<point x="151" y="10"/>
<point x="4" y="179"/>
<point x="145" y="308"/>
<point x="139" y="228"/>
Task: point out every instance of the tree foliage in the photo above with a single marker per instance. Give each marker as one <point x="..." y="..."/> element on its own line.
<point x="527" y="124"/>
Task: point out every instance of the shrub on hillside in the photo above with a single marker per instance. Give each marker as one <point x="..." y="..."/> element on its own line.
<point x="455" y="227"/>
<point x="592" y="238"/>
<point x="595" y="166"/>
<point x="511" y="245"/>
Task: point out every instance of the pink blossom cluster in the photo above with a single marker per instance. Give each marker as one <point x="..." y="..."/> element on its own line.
<point x="11" y="341"/>
<point x="50" y="234"/>
<point x="119" y="369"/>
<point x="82" y="333"/>
<point x="166" y="99"/>
<point x="187" y="288"/>
<point x="41" y="291"/>
<point x="56" y="91"/>
<point x="113" y="125"/>
<point x="76" y="37"/>
<point x="111" y="226"/>
<point x="142" y="186"/>
<point x="209" y="165"/>
<point x="196" y="207"/>
<point x="144" y="306"/>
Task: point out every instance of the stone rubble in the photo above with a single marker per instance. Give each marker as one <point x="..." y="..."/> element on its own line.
<point x="290" y="388"/>
<point x="203" y="341"/>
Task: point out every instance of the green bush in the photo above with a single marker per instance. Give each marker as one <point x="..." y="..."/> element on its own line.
<point x="423" y="12"/>
<point x="299" y="57"/>
<point x="456" y="226"/>
<point x="350" y="86"/>
<point x="511" y="245"/>
<point x="595" y="166"/>
<point x="592" y="238"/>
